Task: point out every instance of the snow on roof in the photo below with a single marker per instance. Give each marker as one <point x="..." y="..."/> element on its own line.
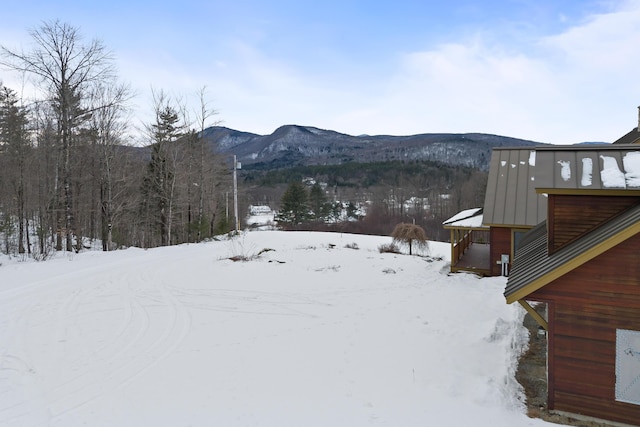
<point x="589" y="168"/>
<point x="469" y="218"/>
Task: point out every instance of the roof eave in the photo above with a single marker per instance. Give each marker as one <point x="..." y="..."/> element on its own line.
<point x="576" y="262"/>
<point x="590" y="192"/>
<point x="462" y="227"/>
<point x="518" y="226"/>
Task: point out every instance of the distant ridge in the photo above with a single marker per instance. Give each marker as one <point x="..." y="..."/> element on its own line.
<point x="294" y="145"/>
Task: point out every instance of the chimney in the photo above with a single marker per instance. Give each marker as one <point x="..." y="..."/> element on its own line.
<point x="638" y="128"/>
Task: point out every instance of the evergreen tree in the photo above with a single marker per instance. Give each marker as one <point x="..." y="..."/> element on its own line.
<point x="13" y="139"/>
<point x="158" y="188"/>
<point x="352" y="211"/>
<point x="295" y="208"/>
<point x="318" y="203"/>
<point x="335" y="211"/>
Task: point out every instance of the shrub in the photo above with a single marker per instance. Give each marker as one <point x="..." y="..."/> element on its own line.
<point x="410" y="235"/>
<point x="390" y="248"/>
<point x="247" y="257"/>
<point x="240" y="252"/>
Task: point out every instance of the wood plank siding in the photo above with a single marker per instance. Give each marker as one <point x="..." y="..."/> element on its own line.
<point x="586" y="307"/>
<point x="571" y="216"/>
<point x="500" y="244"/>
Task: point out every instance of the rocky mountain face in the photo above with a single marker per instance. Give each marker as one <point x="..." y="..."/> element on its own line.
<point x="293" y="145"/>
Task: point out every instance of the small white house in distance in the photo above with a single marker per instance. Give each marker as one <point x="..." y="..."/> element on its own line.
<point x="260" y="210"/>
<point x="261" y="216"/>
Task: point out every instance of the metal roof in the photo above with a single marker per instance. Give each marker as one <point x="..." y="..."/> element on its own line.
<point x="534" y="268"/>
<point x="587" y="168"/>
<point x="511" y="198"/>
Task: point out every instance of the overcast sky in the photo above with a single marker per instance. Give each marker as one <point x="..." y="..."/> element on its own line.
<point x="556" y="71"/>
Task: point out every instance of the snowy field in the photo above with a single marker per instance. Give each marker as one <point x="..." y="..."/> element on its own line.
<point x="309" y="333"/>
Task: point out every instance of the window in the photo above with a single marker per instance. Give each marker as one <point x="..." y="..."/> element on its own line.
<point x="628" y="366"/>
<point x="516" y="238"/>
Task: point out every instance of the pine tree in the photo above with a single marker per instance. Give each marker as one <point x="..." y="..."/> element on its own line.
<point x="13" y="138"/>
<point x="295" y="208"/>
<point x="318" y="203"/>
<point x="158" y="188"/>
<point x="352" y="211"/>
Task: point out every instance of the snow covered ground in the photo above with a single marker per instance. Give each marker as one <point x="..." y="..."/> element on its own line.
<point x="309" y="333"/>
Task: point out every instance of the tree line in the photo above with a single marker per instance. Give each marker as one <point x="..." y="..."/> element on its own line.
<point x="420" y="192"/>
<point x="68" y="172"/>
<point x="363" y="175"/>
<point x="301" y="206"/>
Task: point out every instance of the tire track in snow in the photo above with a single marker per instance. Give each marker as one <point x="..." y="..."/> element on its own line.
<point x="19" y="378"/>
<point x="94" y="378"/>
<point x="149" y="324"/>
<point x="150" y="333"/>
<point x="239" y="301"/>
<point x="19" y="392"/>
<point x="72" y="373"/>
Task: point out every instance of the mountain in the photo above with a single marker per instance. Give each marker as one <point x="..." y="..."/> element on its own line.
<point x="294" y="145"/>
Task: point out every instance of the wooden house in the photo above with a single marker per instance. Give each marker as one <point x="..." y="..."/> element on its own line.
<point x="582" y="263"/>
<point x="511" y="208"/>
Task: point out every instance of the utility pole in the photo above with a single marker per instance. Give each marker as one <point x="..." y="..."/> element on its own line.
<point x="236" y="165"/>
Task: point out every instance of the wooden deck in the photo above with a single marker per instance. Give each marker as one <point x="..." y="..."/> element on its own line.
<point x="475" y="259"/>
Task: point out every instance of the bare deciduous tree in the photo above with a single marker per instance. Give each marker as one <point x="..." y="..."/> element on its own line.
<point x="203" y="116"/>
<point x="107" y="128"/>
<point x="65" y="68"/>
